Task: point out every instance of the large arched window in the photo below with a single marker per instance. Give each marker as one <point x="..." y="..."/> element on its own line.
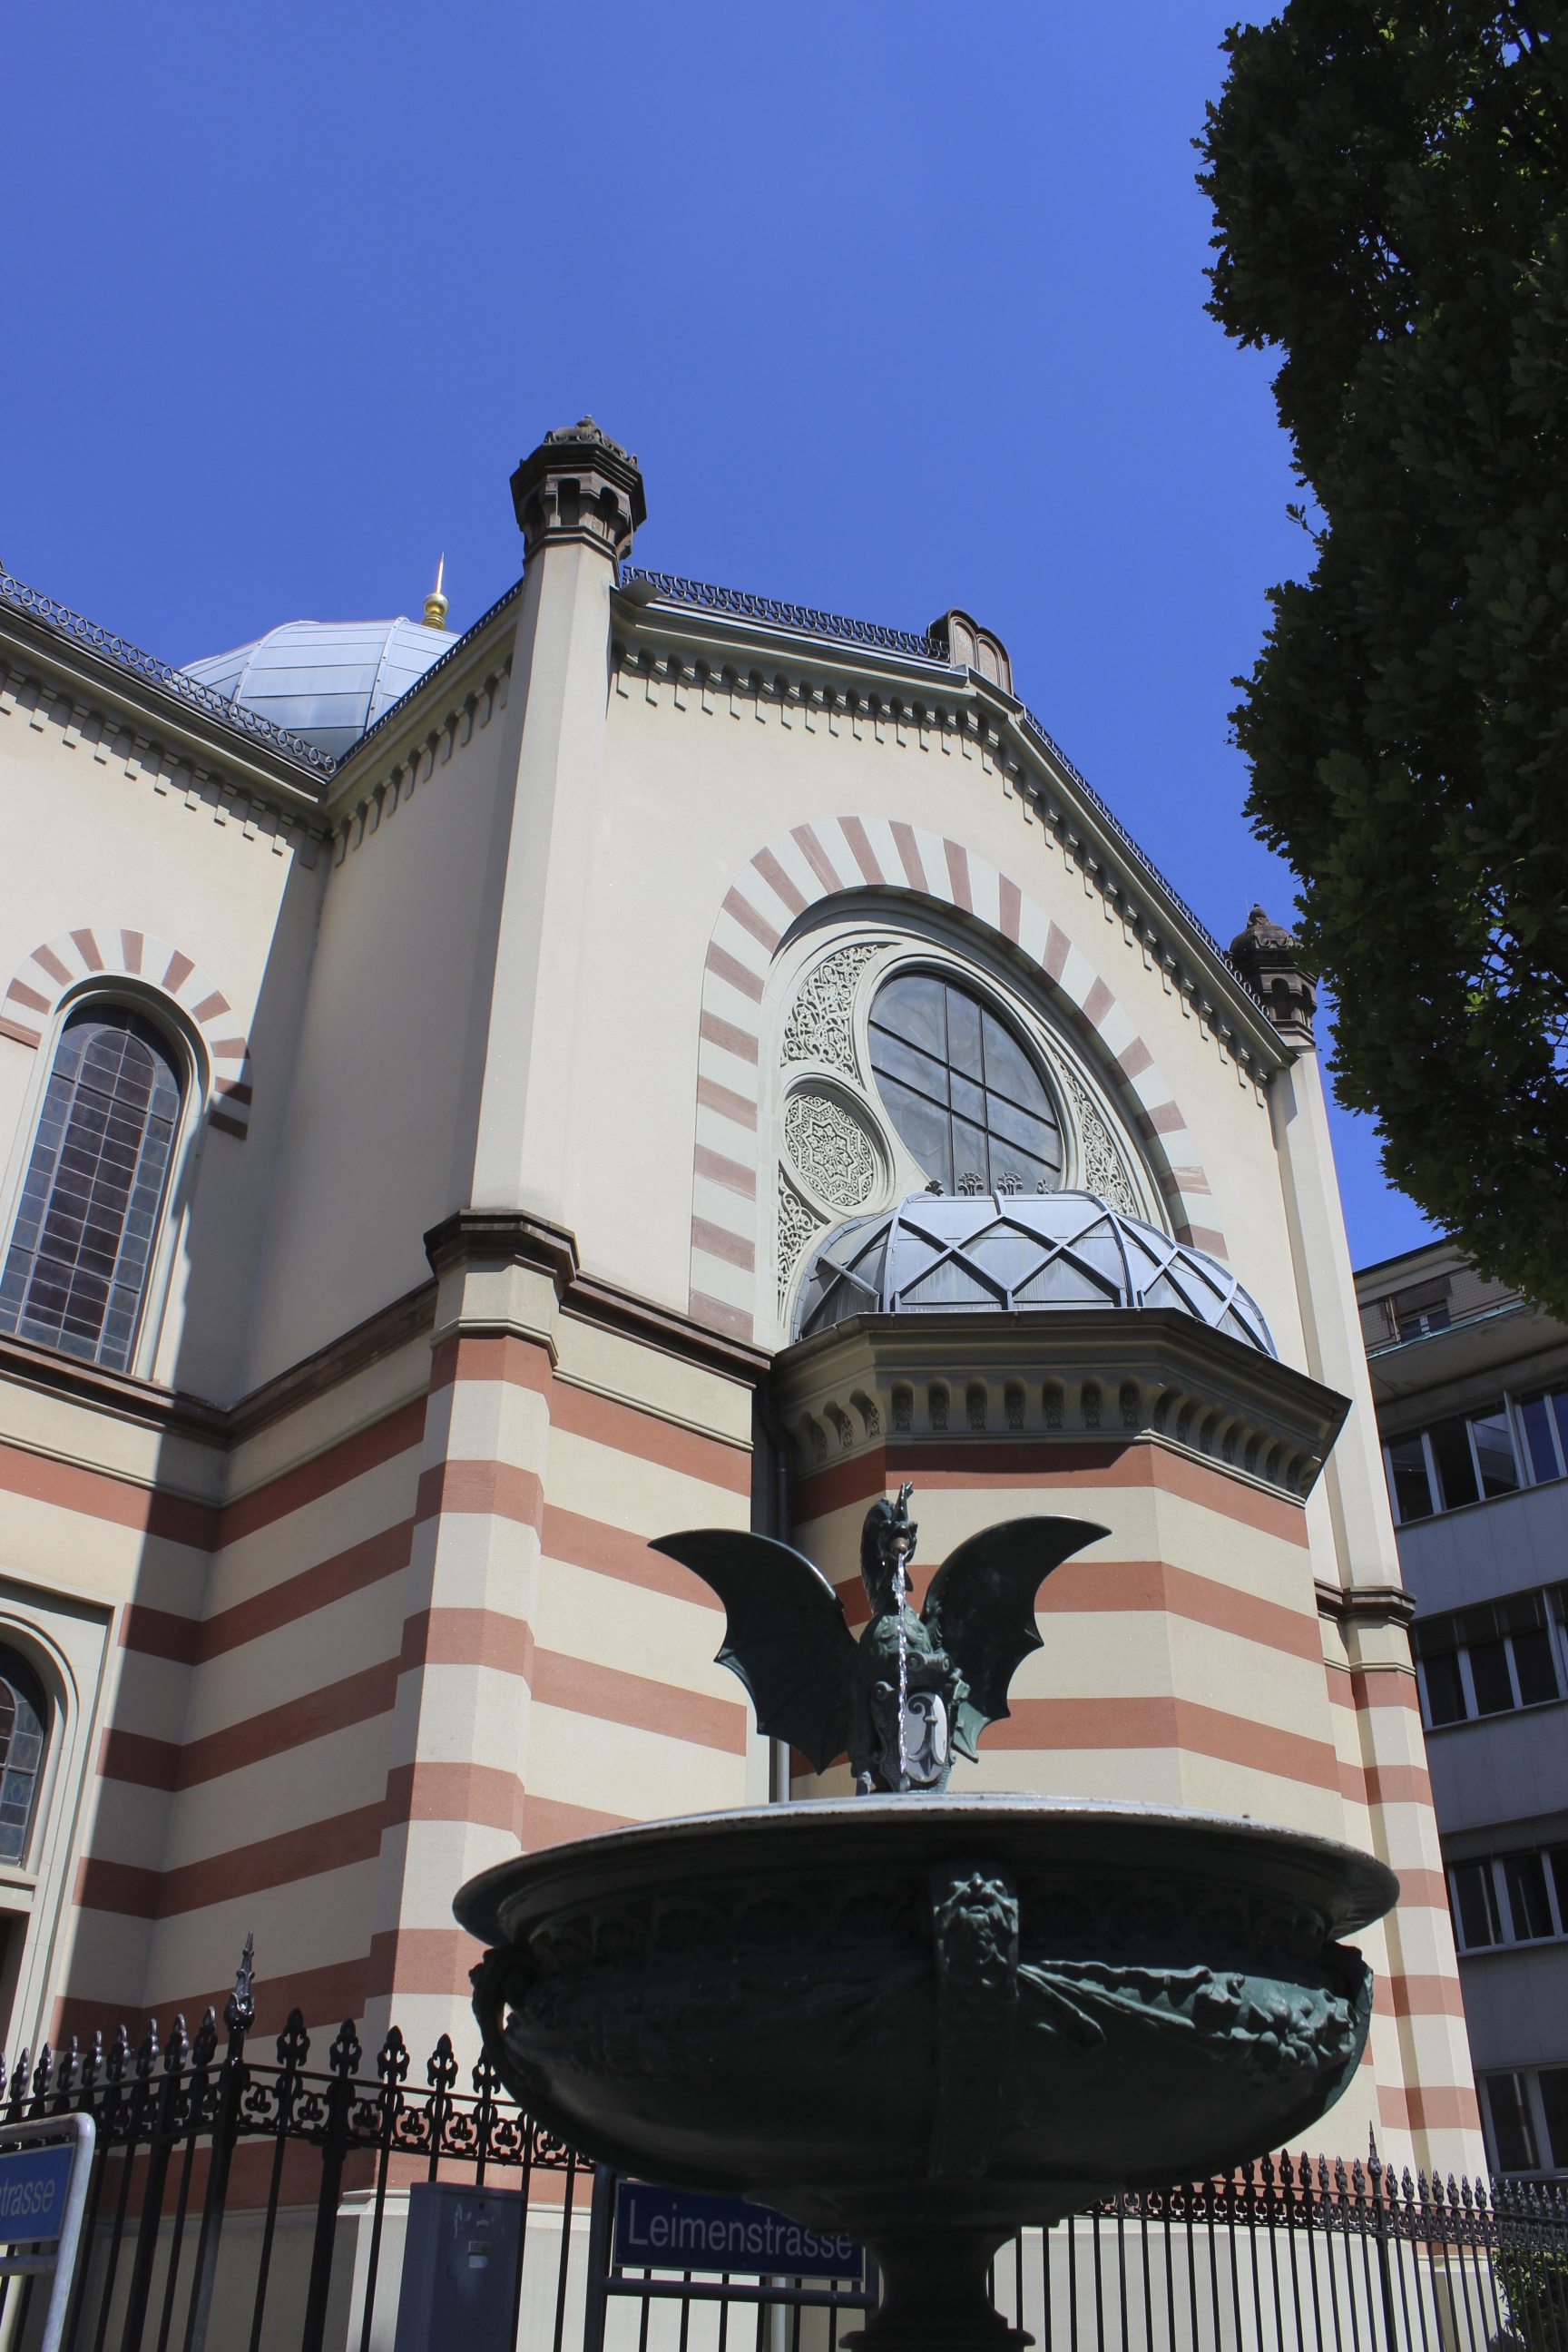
<point x="962" y="1091"/>
<point x="88" y="1222"/>
<point x="24" y="1731"/>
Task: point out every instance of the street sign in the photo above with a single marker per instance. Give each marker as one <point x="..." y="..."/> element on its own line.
<point x="44" y="2165"/>
<point x="33" y="2184"/>
<point x="678" y="2228"/>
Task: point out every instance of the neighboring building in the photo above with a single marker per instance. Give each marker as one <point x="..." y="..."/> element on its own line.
<point x="1471" y="1387"/>
<point x="473" y="1105"/>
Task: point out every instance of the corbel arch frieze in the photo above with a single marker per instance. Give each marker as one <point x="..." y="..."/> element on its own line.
<point x="1070" y="1378"/>
<point x="98" y="952"/>
<point x="791" y="874"/>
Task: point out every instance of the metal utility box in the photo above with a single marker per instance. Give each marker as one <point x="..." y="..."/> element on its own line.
<point x="459" y="2269"/>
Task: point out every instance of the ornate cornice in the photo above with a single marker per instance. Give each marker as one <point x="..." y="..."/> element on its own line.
<point x="1072" y="1376"/>
<point x="480" y="1237"/>
<point x="112" y="714"/>
<point x="1366" y="1604"/>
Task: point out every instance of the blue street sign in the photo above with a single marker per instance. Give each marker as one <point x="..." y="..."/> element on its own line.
<point x="676" y="2229"/>
<point x="33" y="2182"/>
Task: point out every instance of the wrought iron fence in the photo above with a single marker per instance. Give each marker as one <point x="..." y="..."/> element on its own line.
<point x="235" y="2201"/>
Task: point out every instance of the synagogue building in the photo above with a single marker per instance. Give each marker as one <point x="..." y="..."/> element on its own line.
<point x="659" y="1059"/>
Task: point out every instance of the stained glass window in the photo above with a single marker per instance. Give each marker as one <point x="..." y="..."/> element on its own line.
<point x="24" y="1721"/>
<point x="962" y="1091"/>
<point x="87" y="1221"/>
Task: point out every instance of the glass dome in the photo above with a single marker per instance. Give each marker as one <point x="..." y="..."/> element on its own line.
<point x="326" y="680"/>
<point x="933" y="1254"/>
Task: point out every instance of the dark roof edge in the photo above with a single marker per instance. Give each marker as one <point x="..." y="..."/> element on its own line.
<point x="804" y="620"/>
<point x="59" y="621"/>
<point x="453" y="653"/>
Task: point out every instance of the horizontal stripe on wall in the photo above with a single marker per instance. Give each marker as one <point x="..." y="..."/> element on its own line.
<point x="947" y="1467"/>
<point x="323" y="1996"/>
<point x="100" y="1495"/>
<point x="159" y="1633"/>
<point x="734" y="1321"/>
<point x="467" y="1637"/>
<point x="1397" y="1784"/>
<point x="593" y="1544"/>
<point x="309" y="1482"/>
<point x="1431" y="2106"/>
<point x="630" y="1429"/>
<point x="1082" y="1587"/>
<point x="509" y="1356"/>
<point x="498" y="1490"/>
<point x="483" y="1794"/>
<point x="582" y="1686"/>
<point x="1425" y="1996"/>
<point x="320" y="1848"/>
<point x="1086" y="1724"/>
<point x="421" y="1961"/>
<point x="1423" y="1890"/>
<point x="547" y="1820"/>
<point x="625" y="1427"/>
<point x="163" y="1764"/>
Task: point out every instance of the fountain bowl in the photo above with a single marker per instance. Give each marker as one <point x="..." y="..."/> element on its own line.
<point x="928" y="2020"/>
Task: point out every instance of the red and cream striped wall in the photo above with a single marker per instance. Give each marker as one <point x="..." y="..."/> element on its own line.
<point x="398" y="1622"/>
<point x="1191" y="1658"/>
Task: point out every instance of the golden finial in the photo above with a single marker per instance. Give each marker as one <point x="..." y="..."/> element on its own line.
<point x="435" y="604"/>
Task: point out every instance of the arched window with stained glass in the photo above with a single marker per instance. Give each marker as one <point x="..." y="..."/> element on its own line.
<point x="23" y="1737"/>
<point x="87" y="1225"/>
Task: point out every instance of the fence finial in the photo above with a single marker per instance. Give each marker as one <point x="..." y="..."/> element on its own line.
<point x="239" y="2009"/>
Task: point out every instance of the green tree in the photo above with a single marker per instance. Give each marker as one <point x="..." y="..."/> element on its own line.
<point x="1390" y="187"/>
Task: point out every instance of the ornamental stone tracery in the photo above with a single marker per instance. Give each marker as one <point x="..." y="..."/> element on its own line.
<point x="820" y="1026"/>
<point x="1102" y="1170"/>
<point x="830" y="1149"/>
<point x="798" y="1227"/>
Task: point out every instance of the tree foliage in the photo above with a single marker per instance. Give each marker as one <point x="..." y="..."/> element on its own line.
<point x="1390" y="187"/>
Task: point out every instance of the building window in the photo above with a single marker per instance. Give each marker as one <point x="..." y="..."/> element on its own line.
<point x="1490" y="1660"/>
<point x="961" y="1090"/>
<point x="1509" y="1899"/>
<point x="1466" y="1460"/>
<point x="1544" y="1420"/>
<point x="1513" y="2126"/>
<point x="1521" y="1442"/>
<point x="24" y="1724"/>
<point x="85" y="1232"/>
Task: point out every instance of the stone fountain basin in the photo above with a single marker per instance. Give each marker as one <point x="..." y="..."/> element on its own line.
<point x="988" y="2009"/>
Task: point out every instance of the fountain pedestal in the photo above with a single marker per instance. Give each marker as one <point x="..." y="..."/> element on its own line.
<point x="928" y="2020"/>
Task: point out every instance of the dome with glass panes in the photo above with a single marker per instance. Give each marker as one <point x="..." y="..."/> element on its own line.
<point x="1016" y="1252"/>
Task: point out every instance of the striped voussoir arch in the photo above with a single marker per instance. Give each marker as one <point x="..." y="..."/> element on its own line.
<point x="62" y="963"/>
<point x="797" y="870"/>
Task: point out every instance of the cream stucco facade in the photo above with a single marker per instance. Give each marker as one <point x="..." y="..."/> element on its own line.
<point x="525" y="1068"/>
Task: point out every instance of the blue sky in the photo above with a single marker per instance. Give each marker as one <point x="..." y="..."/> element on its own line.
<point x="900" y="306"/>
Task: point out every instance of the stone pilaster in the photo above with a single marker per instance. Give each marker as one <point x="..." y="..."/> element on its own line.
<point x="1424" y="2091"/>
<point x="578" y="499"/>
<point x="458" y="1772"/>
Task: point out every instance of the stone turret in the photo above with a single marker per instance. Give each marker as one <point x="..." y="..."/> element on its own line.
<point x="579" y="485"/>
<point x="1268" y="959"/>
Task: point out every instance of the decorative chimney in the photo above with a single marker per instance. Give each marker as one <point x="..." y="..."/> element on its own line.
<point x="969" y="647"/>
<point x="579" y="485"/>
<point x="1270" y="960"/>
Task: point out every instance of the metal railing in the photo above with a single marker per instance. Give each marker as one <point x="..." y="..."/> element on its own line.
<point x="208" y="2157"/>
<point x="204" y="698"/>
